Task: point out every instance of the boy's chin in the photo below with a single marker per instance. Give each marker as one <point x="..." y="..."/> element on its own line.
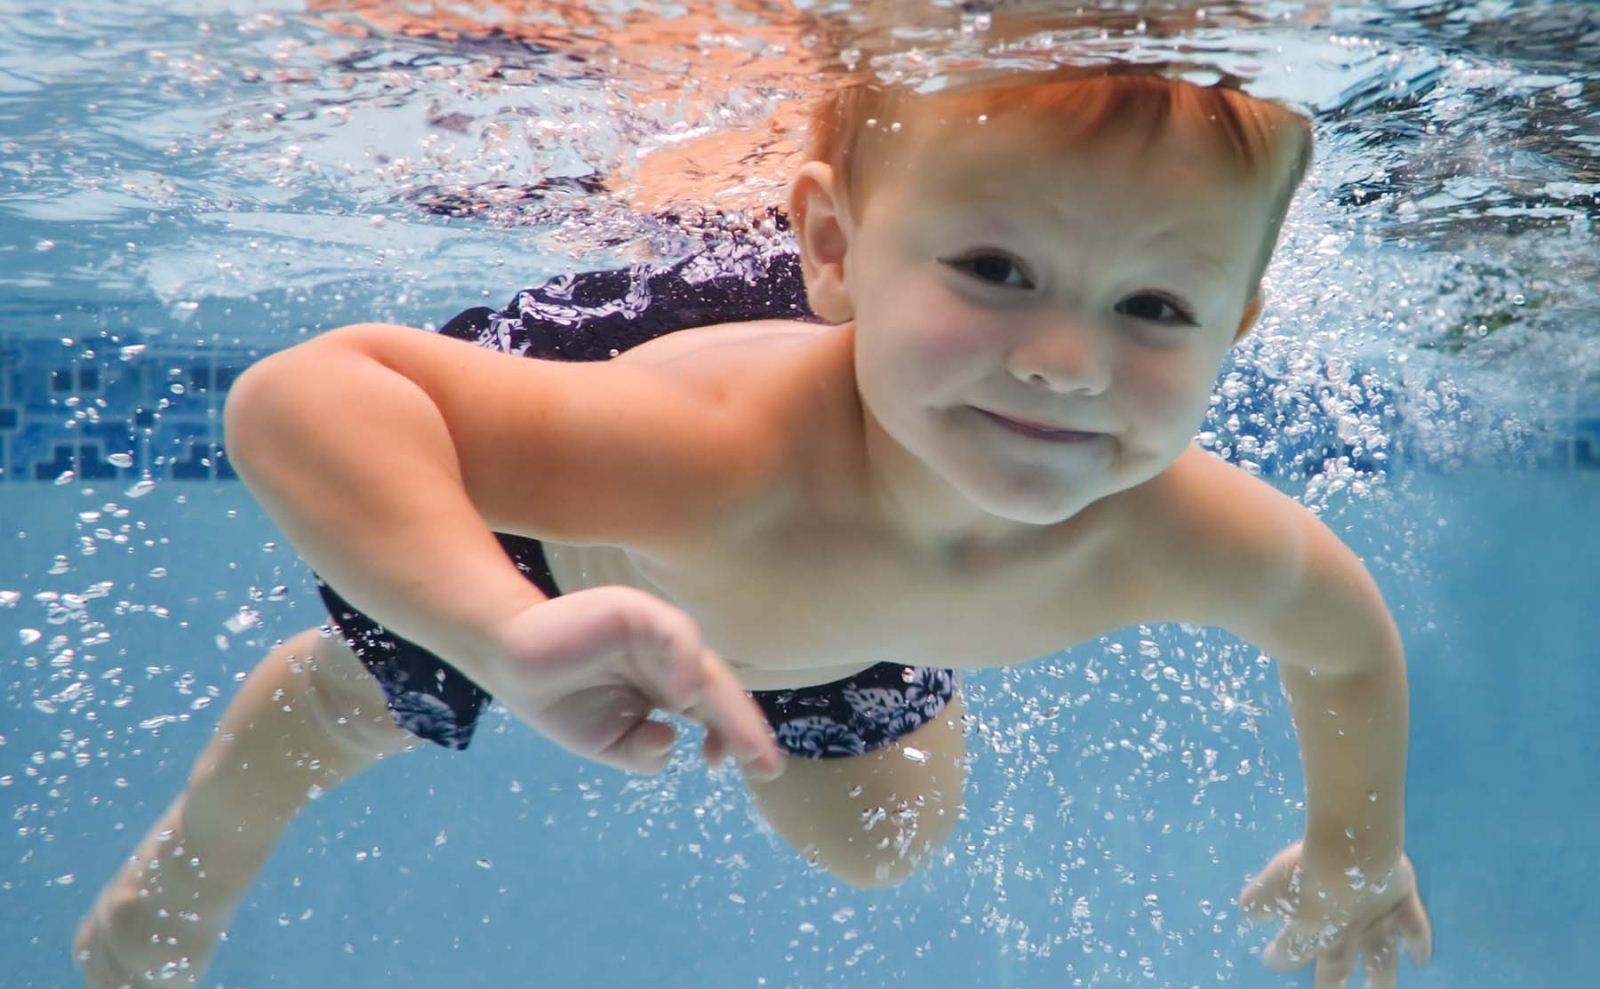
<point x="1038" y="507"/>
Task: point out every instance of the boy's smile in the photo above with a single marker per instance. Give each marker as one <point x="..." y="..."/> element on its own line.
<point x="1003" y="295"/>
<point x="1041" y="430"/>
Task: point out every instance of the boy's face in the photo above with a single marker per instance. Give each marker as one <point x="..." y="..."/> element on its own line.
<point x="1094" y="291"/>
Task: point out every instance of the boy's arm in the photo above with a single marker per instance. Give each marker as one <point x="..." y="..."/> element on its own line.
<point x="1250" y="559"/>
<point x="1344" y="671"/>
<point x="387" y="454"/>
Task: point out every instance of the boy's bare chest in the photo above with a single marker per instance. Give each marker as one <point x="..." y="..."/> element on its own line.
<point x="794" y="601"/>
<point x="786" y="615"/>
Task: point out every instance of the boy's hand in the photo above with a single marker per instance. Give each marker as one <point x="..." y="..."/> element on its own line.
<point x="586" y="669"/>
<point x="1330" y="920"/>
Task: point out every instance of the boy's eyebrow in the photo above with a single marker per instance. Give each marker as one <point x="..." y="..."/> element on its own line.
<point x="1202" y="258"/>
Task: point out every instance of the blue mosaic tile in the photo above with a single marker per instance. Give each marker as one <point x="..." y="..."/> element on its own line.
<point x="71" y="407"/>
<point x="1586" y="452"/>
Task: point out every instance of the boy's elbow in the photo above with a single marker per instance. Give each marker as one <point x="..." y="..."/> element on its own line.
<point x="1335" y="619"/>
<point x="242" y="418"/>
<point x="260" y="396"/>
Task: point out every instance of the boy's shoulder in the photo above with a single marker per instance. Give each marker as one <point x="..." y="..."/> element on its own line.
<point x="1248" y="558"/>
<point x="725" y="351"/>
<point x="1223" y="545"/>
<point x="793" y="374"/>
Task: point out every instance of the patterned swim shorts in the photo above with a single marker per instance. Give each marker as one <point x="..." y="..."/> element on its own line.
<point x="433" y="700"/>
<point x="855" y="715"/>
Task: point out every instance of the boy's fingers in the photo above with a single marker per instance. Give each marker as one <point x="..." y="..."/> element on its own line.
<point x="1414" y="927"/>
<point x="1335" y="964"/>
<point x="739" y="723"/>
<point x="1261" y="900"/>
<point x="644" y="748"/>
<point x="670" y="669"/>
<point x="715" y="747"/>
<point x="1383" y="962"/>
<point x="1252" y="903"/>
<point x="1289" y="950"/>
<point x="96" y="962"/>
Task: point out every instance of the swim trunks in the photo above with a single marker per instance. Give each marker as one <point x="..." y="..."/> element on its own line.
<point x="596" y="315"/>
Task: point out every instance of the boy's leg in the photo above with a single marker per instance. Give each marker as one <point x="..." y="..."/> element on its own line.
<point x="873" y="819"/>
<point x="306" y="719"/>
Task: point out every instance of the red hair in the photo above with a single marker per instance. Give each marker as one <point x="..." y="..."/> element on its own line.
<point x="1256" y="139"/>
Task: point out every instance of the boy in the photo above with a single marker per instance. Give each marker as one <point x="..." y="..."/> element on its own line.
<point x="968" y="447"/>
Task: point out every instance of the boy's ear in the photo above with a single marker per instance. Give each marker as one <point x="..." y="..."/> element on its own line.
<point x="818" y="214"/>
<point x="1252" y="311"/>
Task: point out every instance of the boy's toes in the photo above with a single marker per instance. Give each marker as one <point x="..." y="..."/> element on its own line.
<point x="94" y="958"/>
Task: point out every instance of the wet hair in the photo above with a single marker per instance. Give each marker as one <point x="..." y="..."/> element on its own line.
<point x="1257" y="140"/>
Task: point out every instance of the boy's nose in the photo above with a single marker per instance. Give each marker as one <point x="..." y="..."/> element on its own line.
<point x="1063" y="359"/>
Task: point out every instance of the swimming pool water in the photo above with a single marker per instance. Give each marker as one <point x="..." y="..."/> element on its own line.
<point x="513" y="864"/>
<point x="1428" y="378"/>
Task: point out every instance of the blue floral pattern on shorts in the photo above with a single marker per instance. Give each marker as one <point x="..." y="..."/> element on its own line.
<point x="425" y="695"/>
<point x="421" y="713"/>
<point x="853" y="716"/>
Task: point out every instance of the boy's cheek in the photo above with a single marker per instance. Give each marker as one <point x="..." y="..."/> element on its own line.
<point x="1167" y="396"/>
<point x="930" y="327"/>
<point x="934" y="359"/>
<point x="939" y="346"/>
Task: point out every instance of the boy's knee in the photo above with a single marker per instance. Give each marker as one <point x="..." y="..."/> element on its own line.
<point x="874" y="860"/>
<point x="881" y="871"/>
<point x="342" y="697"/>
<point x="877" y="875"/>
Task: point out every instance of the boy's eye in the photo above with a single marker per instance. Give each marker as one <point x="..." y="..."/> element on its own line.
<point x="990" y="268"/>
<point x="1150" y="307"/>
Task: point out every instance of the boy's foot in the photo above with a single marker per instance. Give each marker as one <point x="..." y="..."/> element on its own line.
<point x="158" y="920"/>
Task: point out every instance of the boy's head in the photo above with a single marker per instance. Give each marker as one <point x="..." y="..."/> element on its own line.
<point x="1076" y="248"/>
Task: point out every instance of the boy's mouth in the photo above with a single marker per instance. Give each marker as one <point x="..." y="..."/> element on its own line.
<point x="1039" y="431"/>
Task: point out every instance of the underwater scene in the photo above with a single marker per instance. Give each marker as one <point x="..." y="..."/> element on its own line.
<point x="1153" y="559"/>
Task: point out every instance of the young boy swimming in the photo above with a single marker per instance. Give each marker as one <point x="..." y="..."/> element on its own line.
<point x="968" y="446"/>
